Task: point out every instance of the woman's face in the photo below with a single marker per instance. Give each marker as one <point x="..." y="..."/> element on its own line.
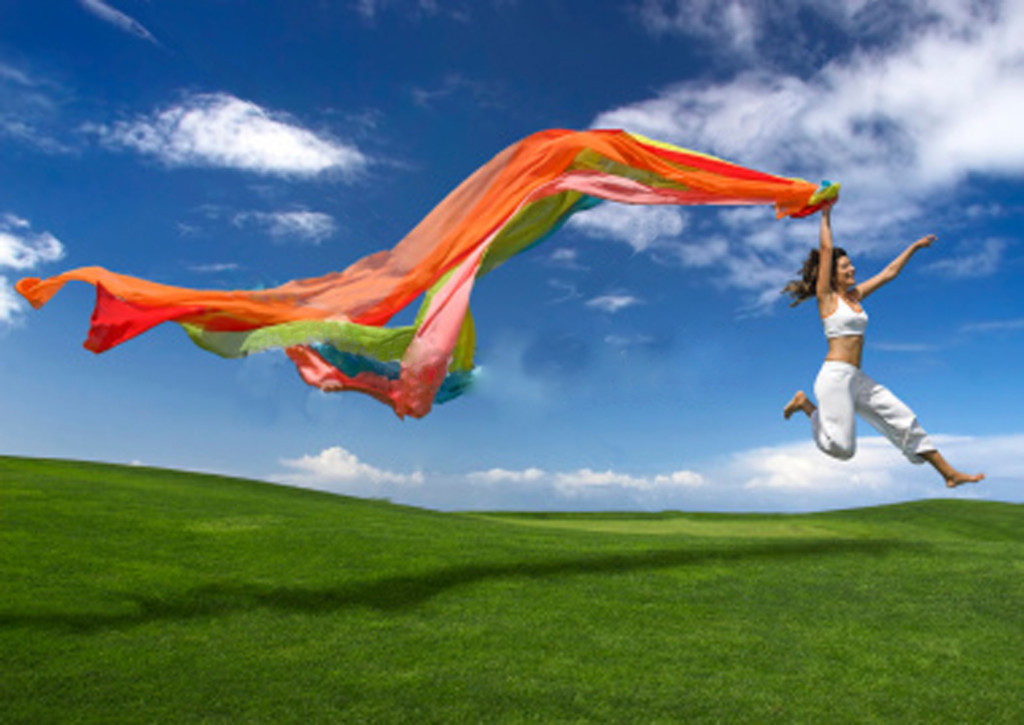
<point x="845" y="273"/>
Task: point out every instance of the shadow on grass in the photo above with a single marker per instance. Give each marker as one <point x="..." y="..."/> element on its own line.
<point x="405" y="591"/>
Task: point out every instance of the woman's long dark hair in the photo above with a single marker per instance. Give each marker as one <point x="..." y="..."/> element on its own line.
<point x="807" y="285"/>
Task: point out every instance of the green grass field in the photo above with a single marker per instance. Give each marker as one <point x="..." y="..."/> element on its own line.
<point x="141" y="595"/>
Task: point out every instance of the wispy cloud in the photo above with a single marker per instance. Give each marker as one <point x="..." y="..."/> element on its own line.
<point x="995" y="326"/>
<point x="220" y="130"/>
<point x="214" y="268"/>
<point x="22" y="249"/>
<point x="981" y="260"/>
<point x="301" y="224"/>
<point x="730" y="21"/>
<point x="118" y="19"/>
<point x="370" y="10"/>
<point x="566" y="291"/>
<point x="453" y="85"/>
<point x="29" y="109"/>
<point x="626" y="342"/>
<point x="911" y="347"/>
<point x="565" y="258"/>
<point x="17" y="76"/>
<point x="613" y="303"/>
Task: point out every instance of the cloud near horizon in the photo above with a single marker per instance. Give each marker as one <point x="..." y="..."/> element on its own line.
<point x="222" y="131"/>
<point x="335" y="469"/>
<point x="786" y="477"/>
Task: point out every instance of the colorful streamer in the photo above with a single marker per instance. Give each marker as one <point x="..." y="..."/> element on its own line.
<point x="333" y="327"/>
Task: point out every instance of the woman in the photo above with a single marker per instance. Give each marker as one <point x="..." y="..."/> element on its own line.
<point x="841" y="388"/>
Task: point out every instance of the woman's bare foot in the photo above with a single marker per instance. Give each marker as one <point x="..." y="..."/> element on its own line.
<point x="958" y="479"/>
<point x="799" y="402"/>
<point x="952" y="476"/>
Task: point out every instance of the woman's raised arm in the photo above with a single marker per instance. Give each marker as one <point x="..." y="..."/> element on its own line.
<point x="893" y="269"/>
<point x="824" y="286"/>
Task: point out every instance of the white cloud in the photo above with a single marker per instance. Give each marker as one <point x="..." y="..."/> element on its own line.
<point x="907" y="120"/>
<point x="577" y="483"/>
<point x="641" y="227"/>
<point x="564" y="255"/>
<point x="309" y="226"/>
<point x="748" y="31"/>
<point x="945" y="101"/>
<point x="800" y="476"/>
<point x="801" y="467"/>
<point x="613" y="303"/>
<point x="118" y="19"/>
<point x="786" y="477"/>
<point x="335" y="469"/>
<point x="688" y="479"/>
<point x="705" y="253"/>
<point x="501" y="475"/>
<point x="220" y="130"/>
<point x="583" y="488"/>
<point x="22" y="249"/>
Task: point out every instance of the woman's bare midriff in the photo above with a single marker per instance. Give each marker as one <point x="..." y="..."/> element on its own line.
<point x="846" y="349"/>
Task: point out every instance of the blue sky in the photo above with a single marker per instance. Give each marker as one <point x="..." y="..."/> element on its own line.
<point x="640" y="359"/>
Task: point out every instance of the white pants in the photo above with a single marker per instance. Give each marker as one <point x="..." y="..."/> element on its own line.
<point x="843" y="389"/>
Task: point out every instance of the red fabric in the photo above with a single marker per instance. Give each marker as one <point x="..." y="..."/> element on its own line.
<point x="114" y="320"/>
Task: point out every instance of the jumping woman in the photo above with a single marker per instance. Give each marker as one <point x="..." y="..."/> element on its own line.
<point x="842" y="388"/>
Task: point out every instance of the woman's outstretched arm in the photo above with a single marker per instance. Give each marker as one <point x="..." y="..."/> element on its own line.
<point x="824" y="289"/>
<point x="893" y="269"/>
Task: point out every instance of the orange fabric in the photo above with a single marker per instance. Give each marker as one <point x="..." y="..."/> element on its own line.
<point x="512" y="202"/>
<point x="373" y="289"/>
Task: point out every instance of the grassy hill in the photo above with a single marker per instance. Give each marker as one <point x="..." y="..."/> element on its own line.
<point x="141" y="595"/>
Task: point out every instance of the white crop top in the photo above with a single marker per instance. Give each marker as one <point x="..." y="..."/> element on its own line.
<point x="845" y="321"/>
